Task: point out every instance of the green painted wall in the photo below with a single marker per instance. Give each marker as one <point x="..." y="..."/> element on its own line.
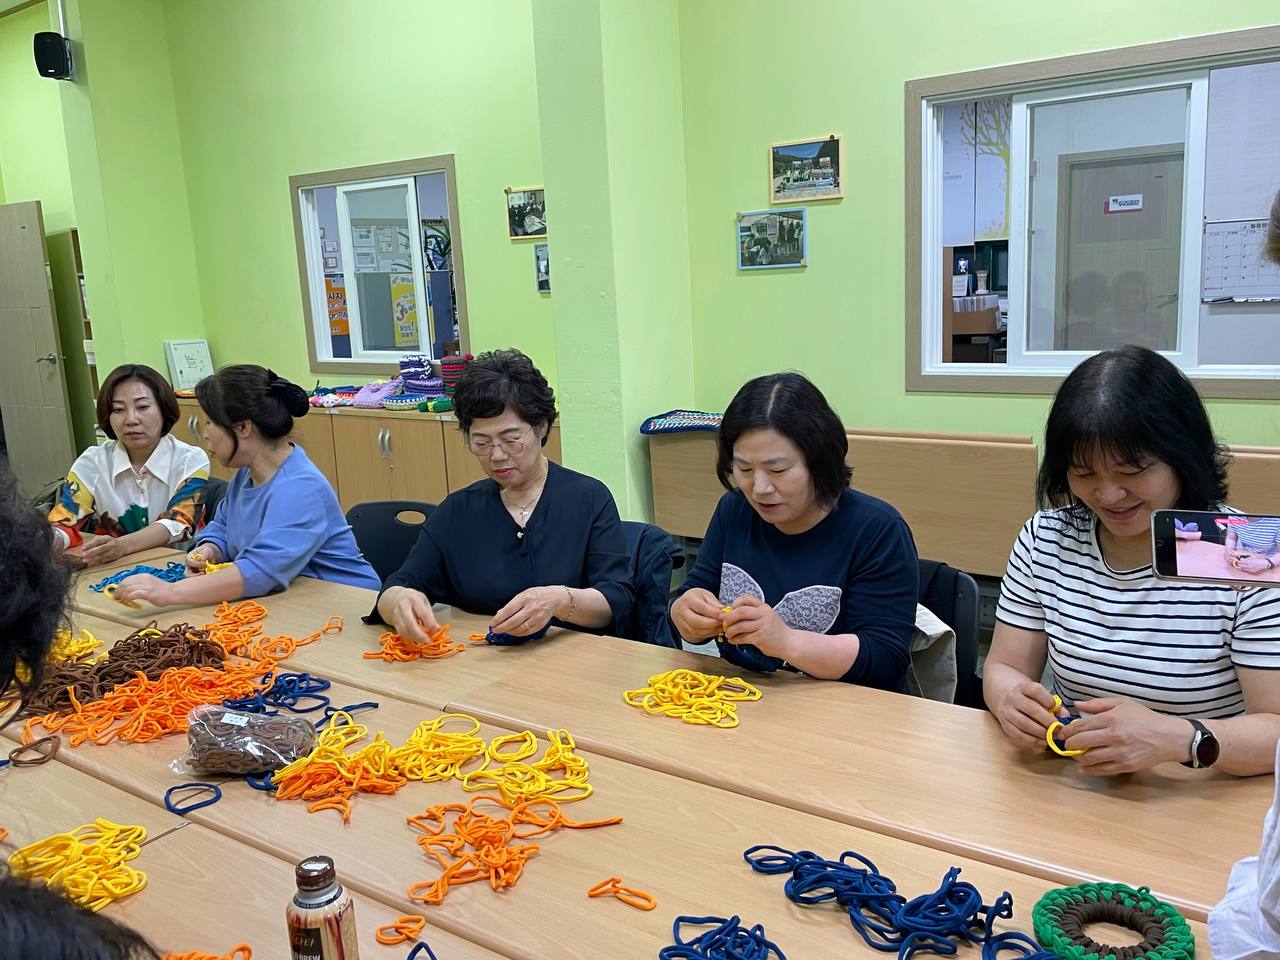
<point x="268" y="90"/>
<point x="127" y="173"/>
<point x="33" y="154"/>
<point x="755" y="74"/>
<point x="608" y="76"/>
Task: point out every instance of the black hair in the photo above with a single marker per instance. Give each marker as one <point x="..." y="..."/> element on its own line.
<point x="790" y="404"/>
<point x="34" y="597"/>
<point x="248" y="392"/>
<point x="502" y="379"/>
<point x="38" y="922"/>
<point x="1132" y="405"/>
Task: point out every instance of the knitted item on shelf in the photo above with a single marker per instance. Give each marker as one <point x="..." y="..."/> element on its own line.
<point x="680" y="421"/>
<point x="403" y="401"/>
<point x="425" y="385"/>
<point x="436" y="405"/>
<point x="372" y="394"/>
<point x="451" y="368"/>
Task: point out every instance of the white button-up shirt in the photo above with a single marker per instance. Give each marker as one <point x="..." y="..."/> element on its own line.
<point x="105" y="494"/>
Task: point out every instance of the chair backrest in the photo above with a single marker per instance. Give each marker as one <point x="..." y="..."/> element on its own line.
<point x="215" y="491"/>
<point x="654" y="554"/>
<point x="386" y="531"/>
<point x="952" y="596"/>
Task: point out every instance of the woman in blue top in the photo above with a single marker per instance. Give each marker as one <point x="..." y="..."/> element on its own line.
<point x="280" y="518"/>
<point x="815" y="575"/>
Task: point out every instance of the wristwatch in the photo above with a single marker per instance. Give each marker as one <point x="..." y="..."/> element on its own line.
<point x="1204" y="747"/>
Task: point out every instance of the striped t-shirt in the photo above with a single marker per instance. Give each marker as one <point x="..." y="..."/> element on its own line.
<point x="1173" y="647"/>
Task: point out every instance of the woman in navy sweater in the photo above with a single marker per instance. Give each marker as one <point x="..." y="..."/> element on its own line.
<point x="815" y="575"/>
<point x="530" y="544"/>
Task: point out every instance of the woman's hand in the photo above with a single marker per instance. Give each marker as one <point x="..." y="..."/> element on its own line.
<point x="409" y="613"/>
<point x="1122" y="737"/>
<point x="529" y="611"/>
<point x="203" y="555"/>
<point x="1251" y="563"/>
<point x="104" y="550"/>
<point x="144" y="586"/>
<point x="1024" y="714"/>
<point x="753" y="621"/>
<point x="698" y="615"/>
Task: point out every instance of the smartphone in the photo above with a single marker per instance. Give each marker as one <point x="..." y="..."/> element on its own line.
<point x="1234" y="549"/>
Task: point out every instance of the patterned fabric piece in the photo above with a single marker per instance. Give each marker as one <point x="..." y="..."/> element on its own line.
<point x="681" y="421"/>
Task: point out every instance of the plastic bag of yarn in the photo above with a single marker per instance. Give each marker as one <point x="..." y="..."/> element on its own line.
<point x="221" y="740"/>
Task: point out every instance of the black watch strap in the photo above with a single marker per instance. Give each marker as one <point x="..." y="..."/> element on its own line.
<point x="1204" y="746"/>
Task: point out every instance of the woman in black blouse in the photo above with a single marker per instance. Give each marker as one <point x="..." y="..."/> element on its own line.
<point x="531" y="544"/>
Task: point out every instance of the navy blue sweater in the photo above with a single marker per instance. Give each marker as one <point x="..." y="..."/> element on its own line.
<point x="854" y="572"/>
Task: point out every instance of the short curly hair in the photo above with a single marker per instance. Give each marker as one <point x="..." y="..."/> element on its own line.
<point x="34" y="598"/>
<point x="504" y="379"/>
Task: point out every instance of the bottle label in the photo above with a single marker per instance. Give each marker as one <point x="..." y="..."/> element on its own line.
<point x="324" y="933"/>
<point x="307" y="943"/>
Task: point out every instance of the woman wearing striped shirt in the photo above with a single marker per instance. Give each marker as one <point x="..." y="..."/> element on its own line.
<point x="1147" y="663"/>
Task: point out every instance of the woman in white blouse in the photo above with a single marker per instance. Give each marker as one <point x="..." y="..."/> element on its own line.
<point x="142" y="488"/>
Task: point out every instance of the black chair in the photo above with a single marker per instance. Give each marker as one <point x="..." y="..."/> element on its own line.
<point x="952" y="596"/>
<point x="384" y="534"/>
<point x="654" y="555"/>
<point x="215" y="492"/>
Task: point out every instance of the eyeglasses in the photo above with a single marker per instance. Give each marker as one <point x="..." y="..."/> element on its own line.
<point x="511" y="446"/>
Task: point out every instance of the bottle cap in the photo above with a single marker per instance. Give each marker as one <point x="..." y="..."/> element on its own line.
<point x="315" y="873"/>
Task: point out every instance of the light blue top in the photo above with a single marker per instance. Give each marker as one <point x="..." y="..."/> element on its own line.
<point x="291" y="526"/>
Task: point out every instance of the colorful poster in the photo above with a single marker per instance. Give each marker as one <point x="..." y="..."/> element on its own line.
<point x="336" y="291"/>
<point x="404" y="310"/>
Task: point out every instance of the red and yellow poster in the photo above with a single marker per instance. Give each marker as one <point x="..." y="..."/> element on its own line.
<point x="336" y="291"/>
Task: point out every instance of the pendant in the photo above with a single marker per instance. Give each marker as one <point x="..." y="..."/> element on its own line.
<point x="519" y="534"/>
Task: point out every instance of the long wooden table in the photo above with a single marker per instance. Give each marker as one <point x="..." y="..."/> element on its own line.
<point x="931" y="775"/>
<point x="680" y="840"/>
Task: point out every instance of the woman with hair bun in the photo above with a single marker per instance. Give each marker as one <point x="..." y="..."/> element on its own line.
<point x="280" y="518"/>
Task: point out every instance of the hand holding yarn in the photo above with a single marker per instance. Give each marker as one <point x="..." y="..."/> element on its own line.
<point x="203" y="555"/>
<point x="1122" y="736"/>
<point x="528" y="612"/>
<point x="698" y="615"/>
<point x="753" y="621"/>
<point x="144" y="586"/>
<point x="409" y="613"/>
<point x="1025" y="713"/>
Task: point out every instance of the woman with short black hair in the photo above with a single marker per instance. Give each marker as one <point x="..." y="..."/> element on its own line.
<point x="533" y="543"/>
<point x="797" y="568"/>
<point x="144" y="487"/>
<point x="1160" y="671"/>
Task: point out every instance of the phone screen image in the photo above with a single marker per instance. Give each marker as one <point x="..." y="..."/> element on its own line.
<point x="1227" y="547"/>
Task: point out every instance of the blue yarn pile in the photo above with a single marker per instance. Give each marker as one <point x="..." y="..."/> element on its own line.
<point x="727" y="939"/>
<point x="886" y="919"/>
<point x="287" y="691"/>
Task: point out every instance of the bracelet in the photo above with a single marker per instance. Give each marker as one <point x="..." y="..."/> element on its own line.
<point x="573" y="605"/>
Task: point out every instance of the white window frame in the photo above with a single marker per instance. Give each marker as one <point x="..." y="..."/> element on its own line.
<point x="1151" y="66"/>
<point x="367" y="362"/>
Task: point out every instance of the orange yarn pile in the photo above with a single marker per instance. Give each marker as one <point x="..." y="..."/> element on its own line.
<point x="141" y="709"/>
<point x="398" y="649"/>
<point x="242" y="952"/>
<point x="478" y="846"/>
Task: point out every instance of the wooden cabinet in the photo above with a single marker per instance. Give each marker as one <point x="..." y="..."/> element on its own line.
<point x="190" y="429"/>
<point x="373" y="455"/>
<point x="388" y="457"/>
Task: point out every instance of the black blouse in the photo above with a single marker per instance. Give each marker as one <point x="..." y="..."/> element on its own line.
<point x="473" y="555"/>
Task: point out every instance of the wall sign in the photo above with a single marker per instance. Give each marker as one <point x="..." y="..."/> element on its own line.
<point x="1124" y="203"/>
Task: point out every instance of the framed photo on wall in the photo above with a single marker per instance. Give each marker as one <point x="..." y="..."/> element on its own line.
<point x="773" y="239"/>
<point x="542" y="267"/>
<point x="526" y="213"/>
<point x="803" y="170"/>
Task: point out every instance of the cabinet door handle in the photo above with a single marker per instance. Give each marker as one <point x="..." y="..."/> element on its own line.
<point x="382" y="436"/>
<point x="389" y="454"/>
<point x="193" y="426"/>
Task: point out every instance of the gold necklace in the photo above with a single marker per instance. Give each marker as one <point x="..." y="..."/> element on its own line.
<point x="525" y="508"/>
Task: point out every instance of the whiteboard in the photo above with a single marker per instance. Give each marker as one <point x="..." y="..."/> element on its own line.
<point x="1242" y="164"/>
<point x="1234" y="267"/>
